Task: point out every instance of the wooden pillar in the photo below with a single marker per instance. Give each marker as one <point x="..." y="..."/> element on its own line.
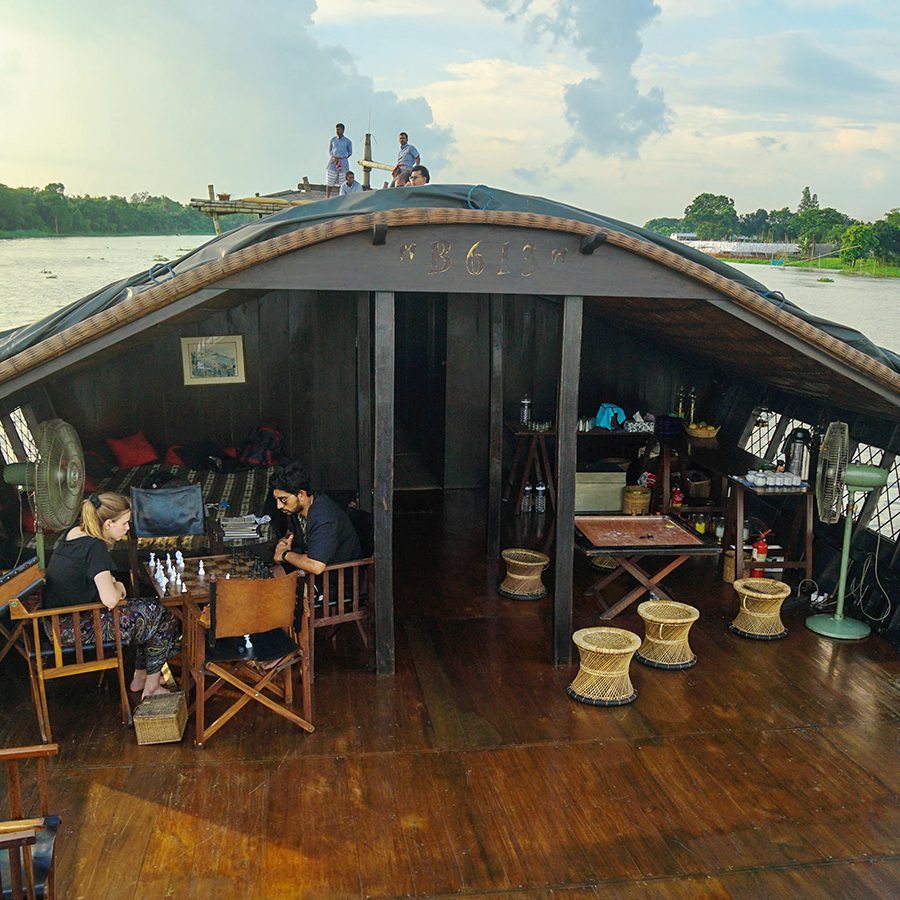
<point x="384" y="482"/>
<point x="495" y="436"/>
<point x="364" y="401"/>
<point x="566" y="431"/>
<point x="367" y="156"/>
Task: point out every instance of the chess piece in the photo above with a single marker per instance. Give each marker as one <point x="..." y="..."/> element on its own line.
<point x="183" y="588"/>
<point x="168" y="560"/>
<point x="179" y="559"/>
<point x="248" y="646"/>
<point x="152" y="561"/>
<point x="200" y="570"/>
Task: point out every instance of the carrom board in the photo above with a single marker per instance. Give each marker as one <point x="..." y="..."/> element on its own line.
<point x="214" y="566"/>
<point x="644" y="535"/>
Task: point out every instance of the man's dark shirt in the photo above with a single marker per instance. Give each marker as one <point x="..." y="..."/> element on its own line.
<point x="330" y="537"/>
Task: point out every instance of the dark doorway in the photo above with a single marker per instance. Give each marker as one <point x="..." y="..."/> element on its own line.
<point x="420" y="391"/>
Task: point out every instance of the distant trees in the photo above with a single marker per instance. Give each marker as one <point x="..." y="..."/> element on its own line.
<point x="713" y="217"/>
<point x="50" y="211"/>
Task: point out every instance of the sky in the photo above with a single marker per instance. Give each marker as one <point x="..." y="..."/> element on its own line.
<point x="628" y="108"/>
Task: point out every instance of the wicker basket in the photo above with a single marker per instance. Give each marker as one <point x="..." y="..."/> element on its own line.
<point x="161" y="719"/>
<point x="636" y="500"/>
<point x="760" y="614"/>
<point x="603" y="678"/>
<point x="666" y="628"/>
<point x="523" y="574"/>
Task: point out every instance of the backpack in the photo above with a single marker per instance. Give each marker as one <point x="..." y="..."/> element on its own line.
<point x="264" y="445"/>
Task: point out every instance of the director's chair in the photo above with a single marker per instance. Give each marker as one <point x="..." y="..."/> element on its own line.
<point x="264" y="610"/>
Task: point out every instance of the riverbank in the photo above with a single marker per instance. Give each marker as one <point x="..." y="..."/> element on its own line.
<point x="869" y="267"/>
<point x="34" y="233"/>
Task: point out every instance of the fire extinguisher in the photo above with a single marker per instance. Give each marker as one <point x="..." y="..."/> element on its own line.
<point x="760" y="552"/>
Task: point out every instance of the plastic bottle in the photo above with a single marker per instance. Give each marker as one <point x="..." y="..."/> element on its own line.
<point x="525" y="410"/>
<point x="526" y="498"/>
<point x="540" y="497"/>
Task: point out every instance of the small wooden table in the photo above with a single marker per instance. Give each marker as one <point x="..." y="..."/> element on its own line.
<point x="735" y="525"/>
<point x="628" y="539"/>
<point x="531" y="454"/>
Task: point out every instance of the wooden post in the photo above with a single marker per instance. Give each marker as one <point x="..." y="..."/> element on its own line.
<point x="566" y="432"/>
<point x="384" y="482"/>
<point x="214" y="215"/>
<point x="367" y="156"/>
<point x="364" y="401"/>
<point x="495" y="436"/>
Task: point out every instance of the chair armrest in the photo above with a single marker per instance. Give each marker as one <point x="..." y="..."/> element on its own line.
<point x="15" y="827"/>
<point x="352" y="564"/>
<point x="17" y="610"/>
<point x="10" y="754"/>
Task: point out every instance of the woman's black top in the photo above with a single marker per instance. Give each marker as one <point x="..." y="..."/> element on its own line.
<point x="71" y="570"/>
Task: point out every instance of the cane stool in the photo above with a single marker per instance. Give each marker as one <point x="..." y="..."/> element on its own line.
<point x="760" y="614"/>
<point x="523" y="574"/>
<point x="602" y="678"/>
<point x="666" y="628"/>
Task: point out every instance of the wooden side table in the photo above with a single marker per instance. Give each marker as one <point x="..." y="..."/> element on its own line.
<point x="531" y="455"/>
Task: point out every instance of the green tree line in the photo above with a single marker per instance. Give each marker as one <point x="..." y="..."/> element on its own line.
<point x="51" y="211"/>
<point x="714" y="217"/>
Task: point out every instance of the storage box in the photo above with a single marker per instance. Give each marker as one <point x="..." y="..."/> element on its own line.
<point x="161" y="719"/>
<point x="698" y="486"/>
<point x="599" y="491"/>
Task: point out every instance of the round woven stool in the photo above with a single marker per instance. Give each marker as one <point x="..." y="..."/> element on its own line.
<point x="760" y="613"/>
<point x="523" y="574"/>
<point x="602" y="678"/>
<point x="666" y="628"/>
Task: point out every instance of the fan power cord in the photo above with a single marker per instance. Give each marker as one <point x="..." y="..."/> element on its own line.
<point x="871" y="561"/>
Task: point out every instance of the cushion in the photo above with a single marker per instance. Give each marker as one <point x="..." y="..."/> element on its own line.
<point x="172" y="458"/>
<point x="134" y="450"/>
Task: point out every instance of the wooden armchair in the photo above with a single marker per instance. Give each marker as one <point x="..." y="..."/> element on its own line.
<point x="48" y="658"/>
<point x="265" y="610"/>
<point x="28" y="840"/>
<point x="344" y="592"/>
<point x="16" y="583"/>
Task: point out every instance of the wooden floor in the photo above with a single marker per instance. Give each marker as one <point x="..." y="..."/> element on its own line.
<point x="769" y="770"/>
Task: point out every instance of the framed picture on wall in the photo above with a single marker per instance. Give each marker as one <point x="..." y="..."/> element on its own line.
<point x="209" y="359"/>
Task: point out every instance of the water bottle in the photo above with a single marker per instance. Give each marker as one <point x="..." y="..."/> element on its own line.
<point x="540" y="497"/>
<point x="525" y="410"/>
<point x="526" y="498"/>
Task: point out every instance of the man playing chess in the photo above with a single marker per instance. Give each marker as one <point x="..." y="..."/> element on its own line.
<point x="319" y="531"/>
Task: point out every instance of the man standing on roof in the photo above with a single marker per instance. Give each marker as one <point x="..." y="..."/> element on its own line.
<point x="340" y="149"/>
<point x="407" y="157"/>
<point x="350" y="185"/>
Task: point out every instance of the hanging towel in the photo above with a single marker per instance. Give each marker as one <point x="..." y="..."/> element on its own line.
<point x="609" y="413"/>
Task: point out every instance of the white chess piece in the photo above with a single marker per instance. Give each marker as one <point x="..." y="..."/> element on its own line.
<point x="168" y="560"/>
<point x="247" y="645"/>
<point x="152" y="561"/>
<point x="183" y="588"/>
<point x="200" y="570"/>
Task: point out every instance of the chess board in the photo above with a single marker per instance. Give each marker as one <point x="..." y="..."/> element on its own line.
<point x="235" y="565"/>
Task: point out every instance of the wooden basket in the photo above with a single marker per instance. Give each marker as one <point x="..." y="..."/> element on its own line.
<point x="636" y="500"/>
<point x="161" y="719"/>
<point x="523" y="574"/>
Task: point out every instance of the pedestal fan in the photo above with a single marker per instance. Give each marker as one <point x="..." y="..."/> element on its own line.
<point x="56" y="477"/>
<point x="832" y="476"/>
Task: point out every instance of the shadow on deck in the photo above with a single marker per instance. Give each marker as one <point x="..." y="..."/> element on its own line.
<point x="769" y="769"/>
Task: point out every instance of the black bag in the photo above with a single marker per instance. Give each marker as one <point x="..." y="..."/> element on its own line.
<point x="168" y="511"/>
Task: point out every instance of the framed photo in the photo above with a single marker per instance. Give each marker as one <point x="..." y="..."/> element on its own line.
<point x="213" y="359"/>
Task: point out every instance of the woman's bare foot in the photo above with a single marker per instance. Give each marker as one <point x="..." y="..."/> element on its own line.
<point x="154" y="686"/>
<point x="139" y="680"/>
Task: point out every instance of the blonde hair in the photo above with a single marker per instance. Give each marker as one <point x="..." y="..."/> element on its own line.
<point x="99" y="508"/>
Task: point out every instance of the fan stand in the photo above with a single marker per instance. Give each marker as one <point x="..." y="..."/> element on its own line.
<point x="837" y="626"/>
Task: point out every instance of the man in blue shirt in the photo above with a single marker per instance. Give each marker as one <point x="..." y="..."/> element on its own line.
<point x="340" y="149"/>
<point x="350" y="185"/>
<point x="406" y="158"/>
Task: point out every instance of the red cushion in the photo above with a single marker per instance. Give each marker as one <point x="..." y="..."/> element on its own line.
<point x="172" y="458"/>
<point x="89" y="484"/>
<point x="230" y="452"/>
<point x="134" y="450"/>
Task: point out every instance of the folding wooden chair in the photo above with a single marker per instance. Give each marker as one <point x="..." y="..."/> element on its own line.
<point x="264" y="610"/>
<point x="27" y="839"/>
<point x="17" y="583"/>
<point x="48" y="658"/>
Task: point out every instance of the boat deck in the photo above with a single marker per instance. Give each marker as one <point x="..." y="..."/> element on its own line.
<point x="768" y="770"/>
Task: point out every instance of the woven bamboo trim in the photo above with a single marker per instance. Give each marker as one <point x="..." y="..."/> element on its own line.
<point x="667" y="626"/>
<point x="523" y="572"/>
<point x="194" y="280"/>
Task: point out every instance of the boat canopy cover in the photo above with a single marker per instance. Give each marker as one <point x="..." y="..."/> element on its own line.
<point x="443" y="196"/>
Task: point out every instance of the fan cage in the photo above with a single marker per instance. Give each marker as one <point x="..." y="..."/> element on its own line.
<point x="59" y="475"/>
<point x="833" y="456"/>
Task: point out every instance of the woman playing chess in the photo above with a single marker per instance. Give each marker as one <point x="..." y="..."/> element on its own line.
<point x="81" y="571"/>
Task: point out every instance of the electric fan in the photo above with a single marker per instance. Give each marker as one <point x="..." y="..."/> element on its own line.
<point x="832" y="476"/>
<point x="56" y="477"/>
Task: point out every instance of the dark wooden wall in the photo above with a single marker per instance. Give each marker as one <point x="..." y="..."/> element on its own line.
<point x="300" y="361"/>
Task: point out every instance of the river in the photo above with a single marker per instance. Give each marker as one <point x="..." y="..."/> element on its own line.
<point x="40" y="275"/>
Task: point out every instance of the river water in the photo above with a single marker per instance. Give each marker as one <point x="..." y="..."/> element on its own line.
<point x="40" y="275"/>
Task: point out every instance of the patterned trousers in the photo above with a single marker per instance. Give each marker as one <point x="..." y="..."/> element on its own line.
<point x="145" y="623"/>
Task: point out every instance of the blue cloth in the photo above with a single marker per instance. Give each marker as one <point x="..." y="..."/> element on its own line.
<point x="608" y="413"/>
<point x="340" y="149"/>
<point x="407" y="156"/>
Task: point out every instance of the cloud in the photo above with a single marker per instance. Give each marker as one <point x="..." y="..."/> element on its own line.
<point x="346" y="11"/>
<point x="170" y="96"/>
<point x="767" y="142"/>
<point x="607" y="110"/>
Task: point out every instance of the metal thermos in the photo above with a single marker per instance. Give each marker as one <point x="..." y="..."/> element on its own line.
<point x="526" y="498"/>
<point x="797" y="448"/>
<point x="540" y="497"/>
<point x="525" y="410"/>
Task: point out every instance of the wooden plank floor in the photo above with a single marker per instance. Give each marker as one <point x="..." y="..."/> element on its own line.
<point x="769" y="770"/>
